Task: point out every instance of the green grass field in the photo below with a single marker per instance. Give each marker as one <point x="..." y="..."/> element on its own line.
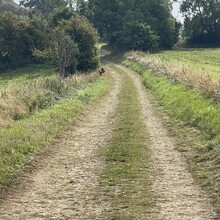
<point x="199" y="60"/>
<point x="197" y="69"/>
<point x="22" y="76"/>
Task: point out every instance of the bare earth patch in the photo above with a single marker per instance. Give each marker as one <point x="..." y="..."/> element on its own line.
<point x="179" y="198"/>
<point x="64" y="186"/>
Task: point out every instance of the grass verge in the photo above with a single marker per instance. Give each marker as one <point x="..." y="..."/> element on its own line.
<point x="125" y="179"/>
<point x="26" y="137"/>
<point x="21" y="100"/>
<point x="198" y="129"/>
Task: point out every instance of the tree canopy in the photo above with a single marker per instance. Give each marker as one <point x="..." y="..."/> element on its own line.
<point x="50" y="30"/>
<point x="43" y="7"/>
<point x="202" y="21"/>
<point x="150" y="22"/>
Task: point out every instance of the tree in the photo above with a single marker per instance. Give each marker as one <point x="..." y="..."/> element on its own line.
<point x="9" y="5"/>
<point x="14" y="38"/>
<point x="63" y="52"/>
<point x="86" y="37"/>
<point x="137" y="37"/>
<point x="43" y="7"/>
<point x="112" y="17"/>
<point x="19" y="36"/>
<point x="202" y="21"/>
<point x="62" y="14"/>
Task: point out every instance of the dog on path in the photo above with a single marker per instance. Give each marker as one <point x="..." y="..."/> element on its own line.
<point x="102" y="71"/>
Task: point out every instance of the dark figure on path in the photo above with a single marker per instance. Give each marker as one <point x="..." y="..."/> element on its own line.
<point x="102" y="71"/>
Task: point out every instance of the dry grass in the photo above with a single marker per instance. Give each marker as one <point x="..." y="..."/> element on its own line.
<point x="17" y="102"/>
<point x="202" y="81"/>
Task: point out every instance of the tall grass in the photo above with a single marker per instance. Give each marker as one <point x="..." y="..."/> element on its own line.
<point x="178" y="72"/>
<point x="17" y="102"/>
<point x="23" y="75"/>
<point x="198" y="60"/>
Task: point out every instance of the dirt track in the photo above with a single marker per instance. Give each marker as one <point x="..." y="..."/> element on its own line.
<point x="179" y="198"/>
<point x="66" y="184"/>
<point x="65" y="187"/>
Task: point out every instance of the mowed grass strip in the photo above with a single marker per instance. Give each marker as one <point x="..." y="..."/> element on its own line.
<point x="125" y="179"/>
<point x="25" y="138"/>
<point x="201" y="144"/>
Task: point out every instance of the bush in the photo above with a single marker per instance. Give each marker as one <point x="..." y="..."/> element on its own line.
<point x="86" y="37"/>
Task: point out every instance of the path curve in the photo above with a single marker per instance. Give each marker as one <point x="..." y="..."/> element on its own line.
<point x="179" y="198"/>
<point x="65" y="186"/>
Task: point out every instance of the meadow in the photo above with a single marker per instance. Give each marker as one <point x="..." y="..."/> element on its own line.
<point x="21" y="76"/>
<point x="190" y="100"/>
<point x="36" y="105"/>
<point x="198" y="60"/>
<point x="178" y="66"/>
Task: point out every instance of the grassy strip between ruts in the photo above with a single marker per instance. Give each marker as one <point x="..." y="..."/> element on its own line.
<point x="125" y="180"/>
<point x="202" y="146"/>
<point x="25" y="138"/>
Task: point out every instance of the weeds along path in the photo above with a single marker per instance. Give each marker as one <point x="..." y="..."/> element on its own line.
<point x="64" y="184"/>
<point x="179" y="198"/>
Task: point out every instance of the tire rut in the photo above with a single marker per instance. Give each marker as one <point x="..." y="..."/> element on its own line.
<point x="65" y="186"/>
<point x="179" y="198"/>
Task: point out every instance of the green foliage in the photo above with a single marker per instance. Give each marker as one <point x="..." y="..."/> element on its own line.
<point x="202" y="24"/>
<point x="116" y="19"/>
<point x="18" y="37"/>
<point x="39" y="33"/>
<point x="62" y="14"/>
<point x="137" y="37"/>
<point x="45" y="7"/>
<point x="67" y="39"/>
<point x="12" y="7"/>
<point x="63" y="52"/>
<point x="86" y="37"/>
<point x="14" y="37"/>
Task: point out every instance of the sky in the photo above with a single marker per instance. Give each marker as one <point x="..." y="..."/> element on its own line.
<point x="176" y="12"/>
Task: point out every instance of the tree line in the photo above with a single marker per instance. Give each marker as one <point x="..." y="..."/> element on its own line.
<point x="48" y="30"/>
<point x="129" y="24"/>
<point x="202" y="21"/>
<point x="64" y="32"/>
